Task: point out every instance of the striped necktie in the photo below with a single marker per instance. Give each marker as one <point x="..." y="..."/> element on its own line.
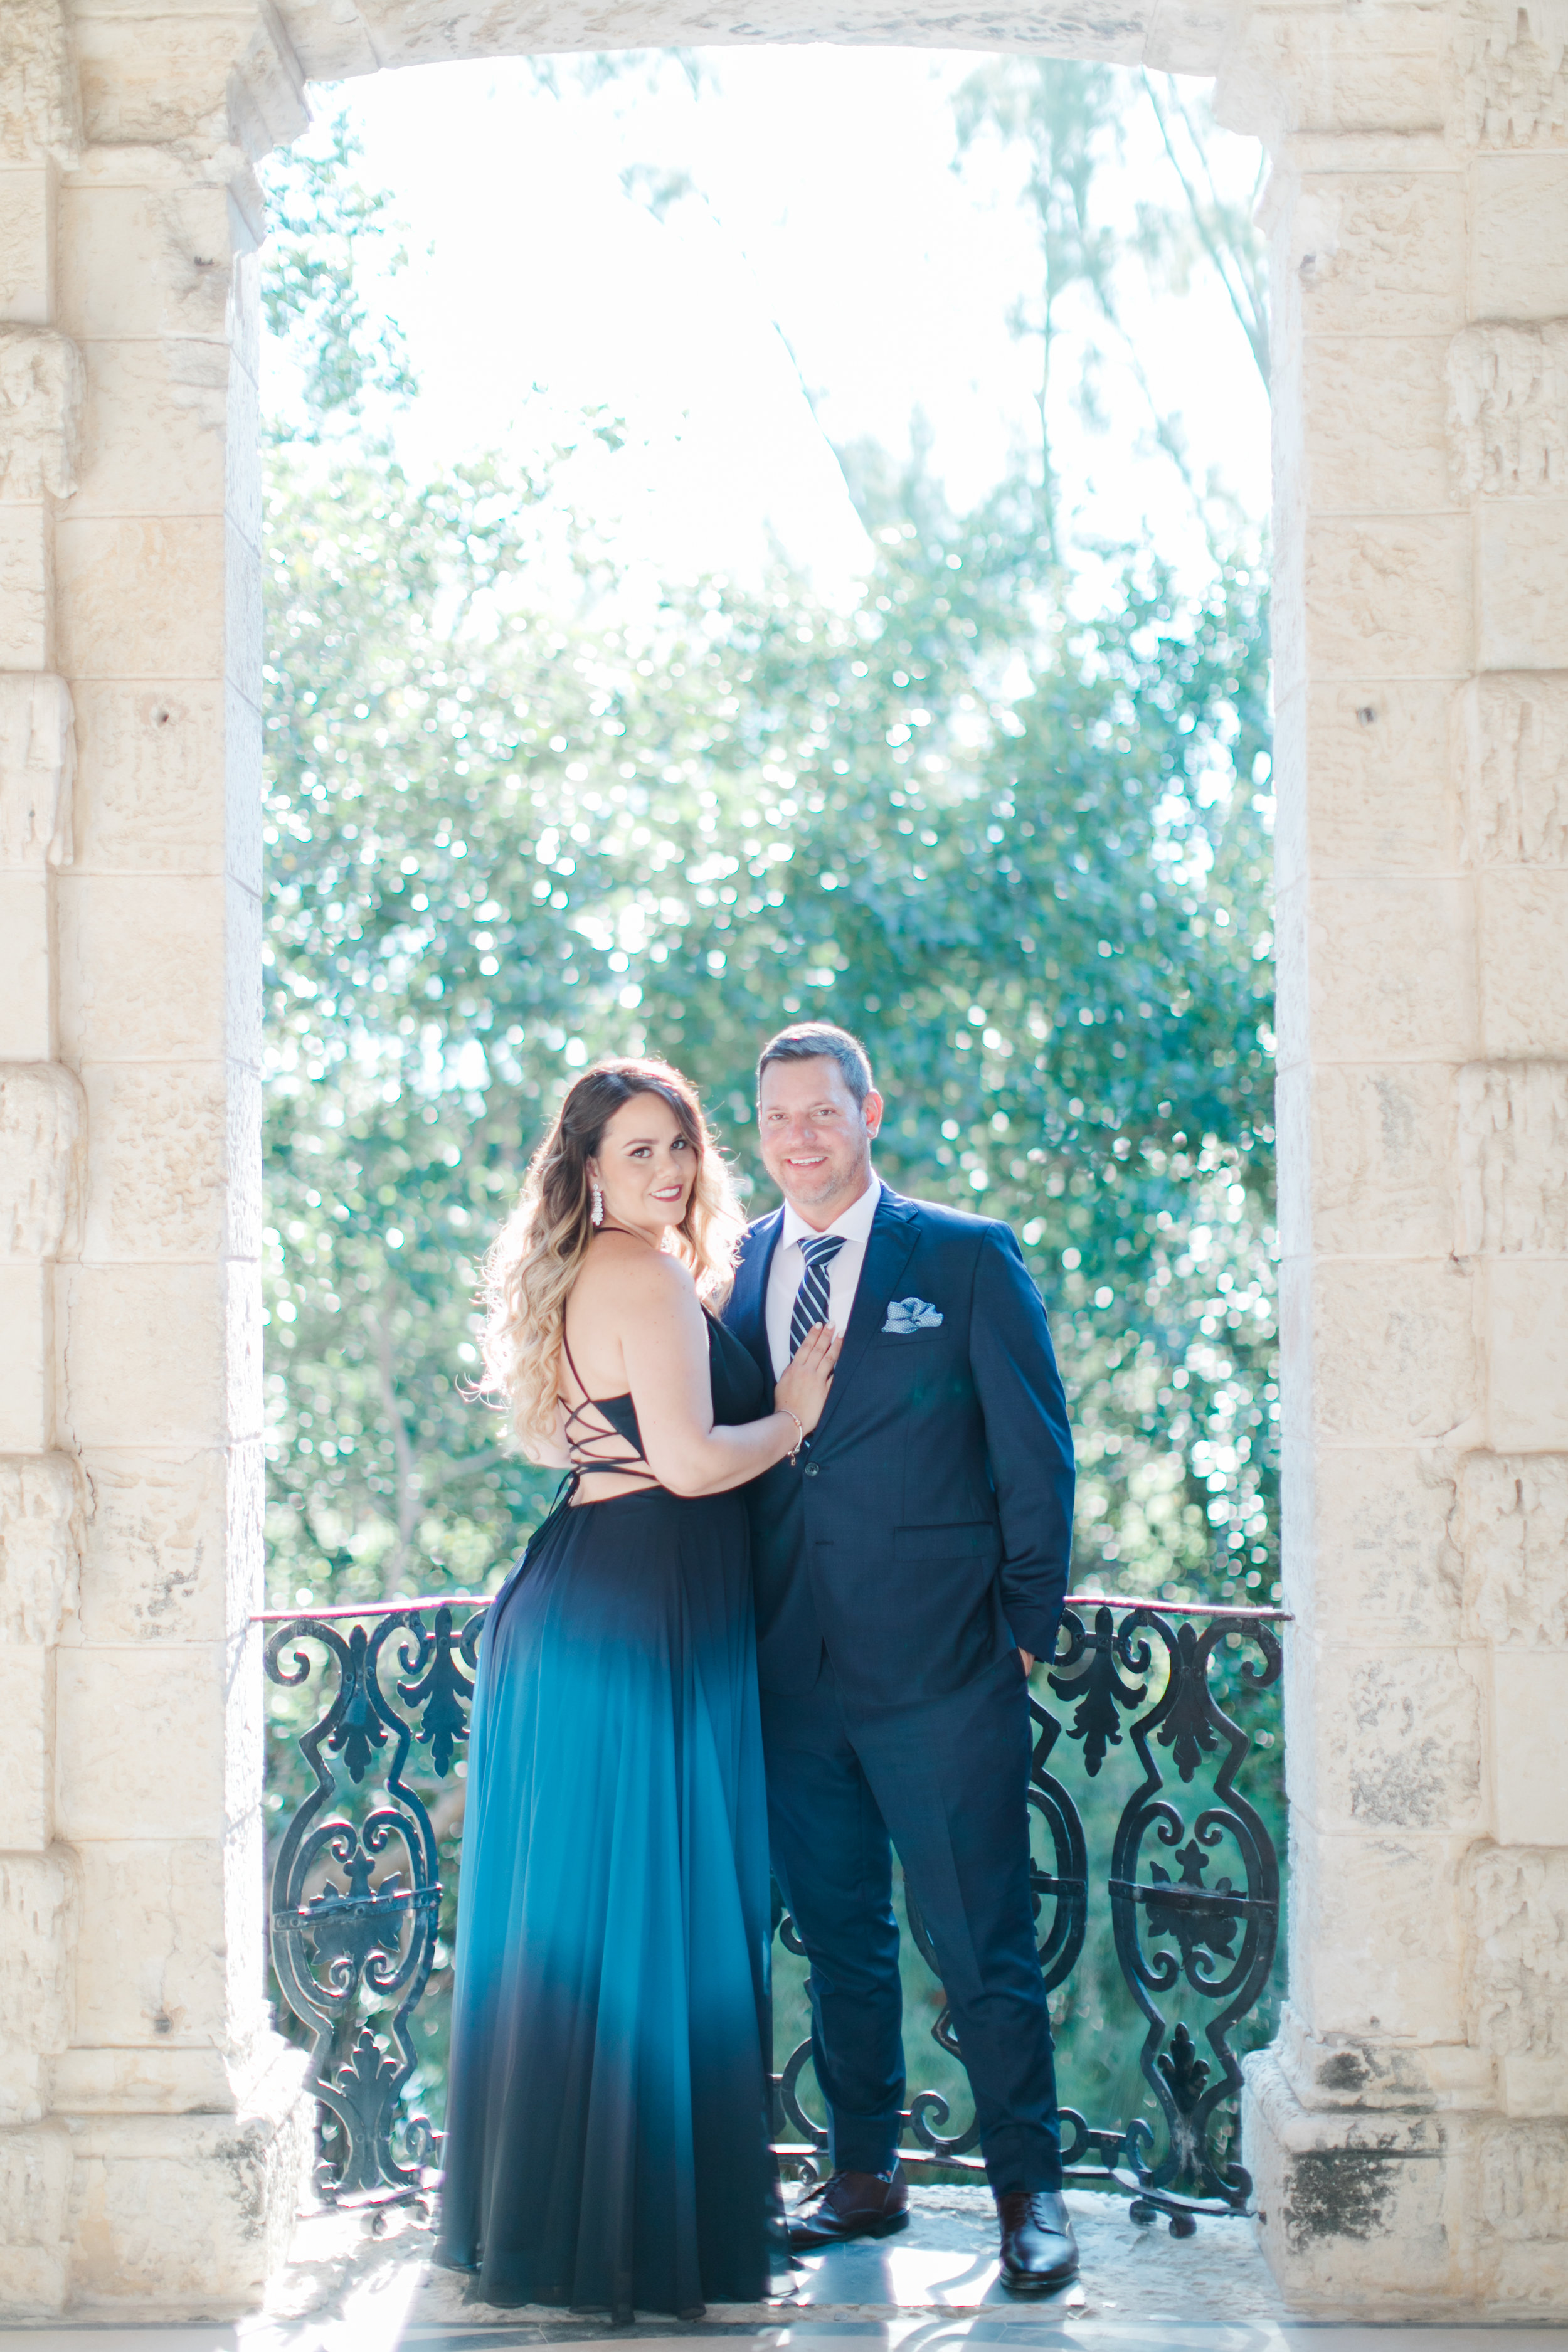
<point x="811" y="1298"/>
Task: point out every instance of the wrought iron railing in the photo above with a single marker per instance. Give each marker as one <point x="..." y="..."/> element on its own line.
<point x="356" y="1890"/>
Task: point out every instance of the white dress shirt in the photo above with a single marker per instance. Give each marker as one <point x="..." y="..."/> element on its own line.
<point x="788" y="1269"/>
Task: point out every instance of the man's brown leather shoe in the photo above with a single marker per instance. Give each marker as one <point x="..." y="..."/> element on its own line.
<point x="1038" y="2249"/>
<point x="850" y="2205"/>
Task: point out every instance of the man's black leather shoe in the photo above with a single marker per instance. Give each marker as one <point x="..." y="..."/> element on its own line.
<point x="1038" y="2250"/>
<point x="850" y="2205"/>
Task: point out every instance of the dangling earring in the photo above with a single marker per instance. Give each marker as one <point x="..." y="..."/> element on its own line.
<point x="596" y="1203"/>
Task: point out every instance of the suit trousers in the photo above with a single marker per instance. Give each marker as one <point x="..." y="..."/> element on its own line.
<point x="944" y="1781"/>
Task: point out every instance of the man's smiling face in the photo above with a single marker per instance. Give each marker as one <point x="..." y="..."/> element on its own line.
<point x="816" y="1138"/>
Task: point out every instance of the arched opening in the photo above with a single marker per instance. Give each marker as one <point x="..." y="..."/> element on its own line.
<point x="980" y="771"/>
<point x="1404" y="2119"/>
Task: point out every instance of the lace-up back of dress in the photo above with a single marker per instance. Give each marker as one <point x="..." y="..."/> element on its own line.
<point x="586" y="1441"/>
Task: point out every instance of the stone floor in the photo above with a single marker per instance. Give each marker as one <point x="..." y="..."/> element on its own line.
<point x="933" y="2289"/>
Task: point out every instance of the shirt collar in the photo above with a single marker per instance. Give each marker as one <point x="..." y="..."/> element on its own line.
<point x="854" y="1225"/>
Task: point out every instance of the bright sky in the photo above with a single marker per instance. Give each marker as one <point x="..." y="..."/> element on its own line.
<point x="830" y="246"/>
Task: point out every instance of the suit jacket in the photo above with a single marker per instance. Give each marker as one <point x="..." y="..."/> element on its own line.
<point x="927" y="1526"/>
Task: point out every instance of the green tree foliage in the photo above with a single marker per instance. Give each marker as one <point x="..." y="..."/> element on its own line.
<point x="1061" y="123"/>
<point x="1025" y="859"/>
<point x="504" y="842"/>
<point x="1220" y="228"/>
<point x="321" y="221"/>
<point x="1063" y="119"/>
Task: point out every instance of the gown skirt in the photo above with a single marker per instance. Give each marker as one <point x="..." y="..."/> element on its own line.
<point x="606" y="2138"/>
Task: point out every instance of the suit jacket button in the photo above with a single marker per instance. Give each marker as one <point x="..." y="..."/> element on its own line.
<point x="810" y="1470"/>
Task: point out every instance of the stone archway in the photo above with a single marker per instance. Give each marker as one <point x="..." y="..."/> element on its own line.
<point x="1409" y="2129"/>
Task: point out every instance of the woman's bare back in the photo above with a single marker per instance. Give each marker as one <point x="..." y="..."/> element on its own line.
<point x="612" y="1280"/>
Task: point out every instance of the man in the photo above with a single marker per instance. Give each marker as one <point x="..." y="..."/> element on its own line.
<point x="909" y="1567"/>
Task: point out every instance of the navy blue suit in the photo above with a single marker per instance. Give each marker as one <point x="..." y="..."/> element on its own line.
<point x="922" y="1539"/>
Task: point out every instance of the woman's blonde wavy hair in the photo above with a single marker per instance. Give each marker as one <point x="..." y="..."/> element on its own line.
<point x="539" y="1251"/>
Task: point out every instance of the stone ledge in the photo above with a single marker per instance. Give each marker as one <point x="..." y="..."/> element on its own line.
<point x="1351" y="2206"/>
<point x="1395" y="2215"/>
<point x="156" y="2079"/>
<point x="191" y="2212"/>
<point x="1355" y="2073"/>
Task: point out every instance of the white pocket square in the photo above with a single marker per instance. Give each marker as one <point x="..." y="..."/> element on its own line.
<point x="909" y="1315"/>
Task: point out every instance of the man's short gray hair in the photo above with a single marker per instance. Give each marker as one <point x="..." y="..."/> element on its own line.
<point x="812" y="1041"/>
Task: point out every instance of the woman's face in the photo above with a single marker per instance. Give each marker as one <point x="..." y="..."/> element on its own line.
<point x="645" y="1164"/>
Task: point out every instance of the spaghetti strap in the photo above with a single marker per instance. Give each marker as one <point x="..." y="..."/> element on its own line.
<point x="571" y="1359"/>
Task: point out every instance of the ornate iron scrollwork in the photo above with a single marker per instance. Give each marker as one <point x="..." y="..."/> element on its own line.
<point x="364" y="1938"/>
<point x="371" y="1933"/>
<point x="1104" y="1671"/>
<point x="1225" y="1932"/>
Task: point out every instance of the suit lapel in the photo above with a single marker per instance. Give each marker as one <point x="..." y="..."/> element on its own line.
<point x="746" y="1315"/>
<point x="895" y="1229"/>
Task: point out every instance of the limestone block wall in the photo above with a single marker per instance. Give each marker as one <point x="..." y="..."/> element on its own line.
<point x="1410" y="2128"/>
<point x="150" y="2137"/>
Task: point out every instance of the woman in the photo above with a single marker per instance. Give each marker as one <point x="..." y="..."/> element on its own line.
<point x="606" y="2139"/>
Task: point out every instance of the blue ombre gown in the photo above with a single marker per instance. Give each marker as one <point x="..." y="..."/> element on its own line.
<point x="606" y="2141"/>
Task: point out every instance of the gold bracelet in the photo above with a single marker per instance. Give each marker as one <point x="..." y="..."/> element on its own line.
<point x="794" y="1454"/>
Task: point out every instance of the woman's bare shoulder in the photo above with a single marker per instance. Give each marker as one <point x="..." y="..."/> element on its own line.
<point x="629" y="1270"/>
